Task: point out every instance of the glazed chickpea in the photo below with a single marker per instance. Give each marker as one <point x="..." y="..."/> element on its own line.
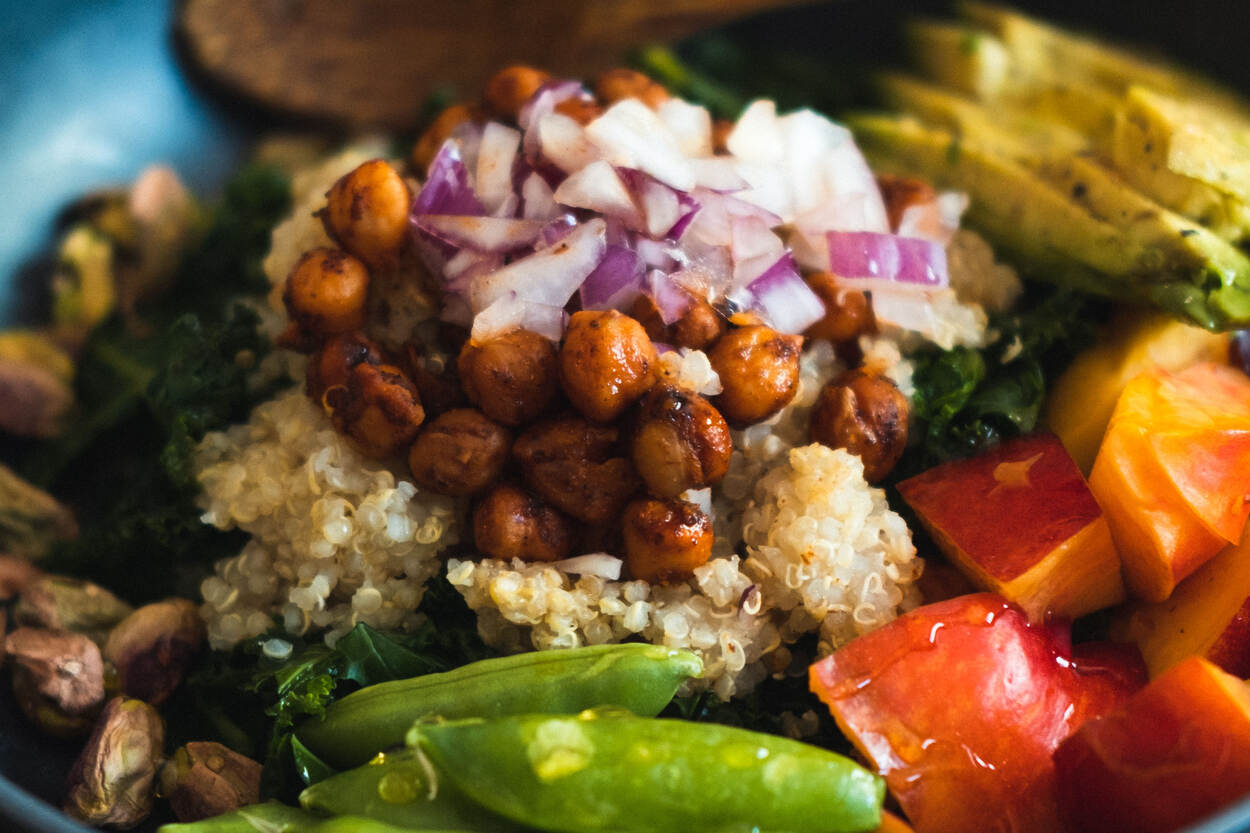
<point x="459" y="453"/>
<point x="439" y="390"/>
<point x="621" y="82"/>
<point x="426" y="148"/>
<point x="606" y="363"/>
<point x="866" y="414"/>
<point x="508" y="90"/>
<point x="332" y="364"/>
<point x="511" y="523"/>
<point x="367" y="213"/>
<point x="848" y="313"/>
<point x="378" y="408"/>
<point x="665" y="540"/>
<point x="327" y="292"/>
<point x="577" y="467"/>
<point x="681" y="442"/>
<point x="899" y="192"/>
<point x="759" y="369"/>
<point x="512" y="377"/>
<point x="698" y="326"/>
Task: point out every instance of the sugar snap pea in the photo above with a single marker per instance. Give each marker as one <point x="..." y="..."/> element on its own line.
<point x="638" y="677"/>
<point x="395" y="789"/>
<point x="270" y="817"/>
<point x="617" y="773"/>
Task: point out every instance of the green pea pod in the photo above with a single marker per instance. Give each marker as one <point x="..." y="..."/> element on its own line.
<point x="357" y="824"/>
<point x="638" y="677"/>
<point x="601" y="773"/>
<point x="270" y="817"/>
<point x="396" y="789"/>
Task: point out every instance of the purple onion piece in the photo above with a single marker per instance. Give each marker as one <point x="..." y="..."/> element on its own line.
<point x="784" y="298"/>
<point x="615" y="282"/>
<point x="447" y="189"/>
<point x="907" y="261"/>
<point x="669" y="297"/>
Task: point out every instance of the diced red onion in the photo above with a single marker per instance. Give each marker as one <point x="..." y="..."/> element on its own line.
<point x="936" y="220"/>
<point x="615" y="282"/>
<point x="755" y="248"/>
<point x="599" y="187"/>
<point x="561" y="141"/>
<point x="496" y="156"/>
<point x="447" y="188"/>
<point x="484" y="234"/>
<point x="662" y="347"/>
<point x="670" y="299"/>
<point x="558" y="228"/>
<point x="865" y="259"/>
<point x="510" y="312"/>
<point x="718" y="173"/>
<point x="546" y="97"/>
<point x="630" y="135"/>
<point x="690" y="125"/>
<point x="468" y="137"/>
<point x="459" y="272"/>
<point x="598" y="564"/>
<point x="550" y="276"/>
<point x="655" y="253"/>
<point x="537" y="199"/>
<point x="784" y="299"/>
<point x="904" y="308"/>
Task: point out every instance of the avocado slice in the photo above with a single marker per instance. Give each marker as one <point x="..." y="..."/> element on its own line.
<point x="1068" y="220"/>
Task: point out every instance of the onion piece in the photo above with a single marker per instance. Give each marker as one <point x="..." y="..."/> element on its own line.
<point x="615" y="282"/>
<point x="550" y="276"/>
<point x="755" y="248"/>
<point x="510" y="312"/>
<point x="784" y="299"/>
<point x="496" y="155"/>
<point x="537" y="199"/>
<point x="670" y="298"/>
<point x="483" y="234"/>
<point x="598" y="564"/>
<point x="561" y="141"/>
<point x="718" y="173"/>
<point x="547" y="96"/>
<point x="865" y="259"/>
<point x="630" y="135"/>
<point x="447" y="188"/>
<point x="690" y="125"/>
<point x="599" y="188"/>
<point x="905" y="308"/>
<point x="936" y="220"/>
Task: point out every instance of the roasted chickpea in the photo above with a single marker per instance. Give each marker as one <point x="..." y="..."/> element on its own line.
<point x="866" y="414"/>
<point x="332" y="364"/>
<point x="327" y="293"/>
<point x="606" y="363"/>
<point x="899" y="192"/>
<point x="440" y="391"/>
<point x="698" y="326"/>
<point x="848" y="313"/>
<point x="621" y="82"/>
<point x="511" y="523"/>
<point x="721" y="128"/>
<point x="681" y="442"/>
<point x="577" y="467"/>
<point x="665" y="540"/>
<point x="759" y="369"/>
<point x="378" y="408"/>
<point x="508" y="90"/>
<point x="367" y="213"/>
<point x="580" y="109"/>
<point x="459" y="453"/>
<point x="513" y="377"/>
<point x="439" y="131"/>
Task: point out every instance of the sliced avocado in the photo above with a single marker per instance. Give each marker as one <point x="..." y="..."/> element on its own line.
<point x="958" y="56"/>
<point x="1068" y="220"/>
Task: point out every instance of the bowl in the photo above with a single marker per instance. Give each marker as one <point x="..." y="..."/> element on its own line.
<point x="95" y="91"/>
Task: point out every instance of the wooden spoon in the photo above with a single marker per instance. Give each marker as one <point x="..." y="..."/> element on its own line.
<point x="373" y="62"/>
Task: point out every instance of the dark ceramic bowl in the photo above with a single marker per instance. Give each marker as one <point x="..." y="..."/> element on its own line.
<point x="91" y="91"/>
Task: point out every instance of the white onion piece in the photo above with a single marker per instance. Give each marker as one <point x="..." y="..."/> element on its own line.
<point x="906" y="309"/>
<point x="546" y="97"/>
<point x="468" y="137"/>
<point x="660" y="207"/>
<point x="755" y="248"/>
<point x="495" y="157"/>
<point x="865" y="259"/>
<point x="701" y="498"/>
<point x="537" y="199"/>
<point x="655" y="253"/>
<point x="615" y="282"/>
<point x="718" y="173"/>
<point x="630" y="135"/>
<point x="598" y="564"/>
<point x="599" y="188"/>
<point x="756" y="136"/>
<point x="936" y="219"/>
<point x="485" y="234"/>
<point x="563" y="143"/>
<point x="784" y="299"/>
<point x="510" y="312"/>
<point x="549" y="276"/>
<point x="459" y="272"/>
<point x="690" y="124"/>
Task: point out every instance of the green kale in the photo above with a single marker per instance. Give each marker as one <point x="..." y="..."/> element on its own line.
<point x="969" y="399"/>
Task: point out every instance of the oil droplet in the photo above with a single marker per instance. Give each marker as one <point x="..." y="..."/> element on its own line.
<point x="400" y="786"/>
<point x="743" y="755"/>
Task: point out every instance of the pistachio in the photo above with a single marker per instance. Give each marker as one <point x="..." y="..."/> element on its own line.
<point x="205" y="779"/>
<point x="31" y="520"/>
<point x="111" y="783"/>
<point x="70" y="604"/>
<point x="152" y="646"/>
<point x="58" y="679"/>
<point x="15" y="575"/>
